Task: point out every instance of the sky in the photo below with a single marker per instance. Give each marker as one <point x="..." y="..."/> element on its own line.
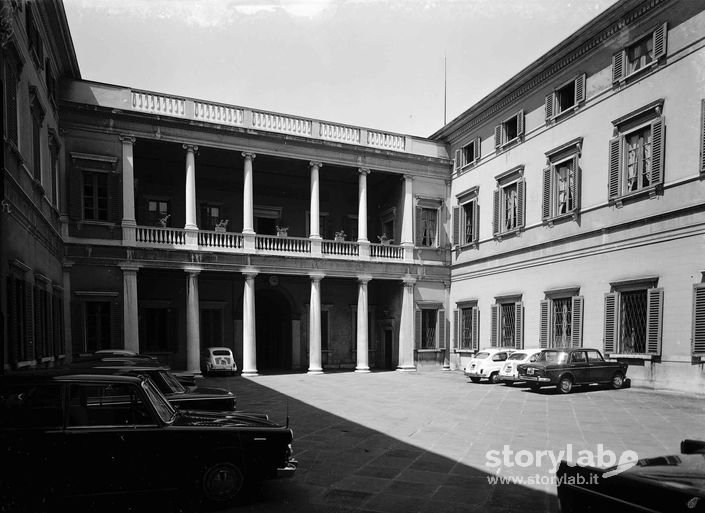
<point x="372" y="63"/>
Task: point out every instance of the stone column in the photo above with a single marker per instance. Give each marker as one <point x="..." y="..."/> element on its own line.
<point x="247" y="194"/>
<point x="406" y="327"/>
<point x="191" y="223"/>
<point x="193" y="322"/>
<point x="315" y="223"/>
<point x="249" y="335"/>
<point x="130" y="309"/>
<point x="363" y="329"/>
<point x="128" y="190"/>
<point x="362" y="206"/>
<point x="314" y="326"/>
<point x="407" y="222"/>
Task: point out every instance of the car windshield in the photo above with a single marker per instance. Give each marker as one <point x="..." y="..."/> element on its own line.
<point x="221" y="352"/>
<point x="172" y="382"/>
<point x="553" y="357"/>
<point x="481" y="356"/>
<point x="164" y="409"/>
<point x="517" y="356"/>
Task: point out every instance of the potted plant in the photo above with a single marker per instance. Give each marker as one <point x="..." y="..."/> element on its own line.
<point x="282" y="231"/>
<point x="384" y="240"/>
<point x="164" y="220"/>
<point x="222" y="225"/>
<point x="340" y="236"/>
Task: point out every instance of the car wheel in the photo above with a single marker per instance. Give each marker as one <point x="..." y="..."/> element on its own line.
<point x="475" y="380"/>
<point x="565" y="385"/>
<point x="534" y="387"/>
<point x="617" y="380"/>
<point x="221" y="482"/>
<point x="494" y="378"/>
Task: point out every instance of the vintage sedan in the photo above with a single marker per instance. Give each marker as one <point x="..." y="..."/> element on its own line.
<point x="67" y="436"/>
<point x="665" y="484"/>
<point x="487" y="363"/>
<point x="509" y="374"/>
<point x="567" y="367"/>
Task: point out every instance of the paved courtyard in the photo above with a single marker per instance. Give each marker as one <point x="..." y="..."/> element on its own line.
<point x="418" y="442"/>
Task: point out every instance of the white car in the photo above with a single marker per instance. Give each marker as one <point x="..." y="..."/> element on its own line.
<point x="487" y="363"/>
<point x="509" y="372"/>
<point x="217" y="359"/>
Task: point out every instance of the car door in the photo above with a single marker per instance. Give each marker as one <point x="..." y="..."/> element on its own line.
<point x="600" y="370"/>
<point x="579" y="367"/>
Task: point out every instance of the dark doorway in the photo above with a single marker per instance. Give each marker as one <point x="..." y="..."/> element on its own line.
<point x="388" y="341"/>
<point x="273" y="331"/>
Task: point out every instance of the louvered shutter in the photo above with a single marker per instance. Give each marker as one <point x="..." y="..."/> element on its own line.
<point x="498" y="136"/>
<point x="521" y="200"/>
<point x="618" y="66"/>
<point x="495" y="217"/>
<point x="417" y="328"/>
<point x="442" y="328"/>
<point x="575" y="186"/>
<point x="475" y="328"/>
<point x="660" y="41"/>
<point x="456" y="226"/>
<point x="30" y="333"/>
<point x="475" y="221"/>
<point x="12" y="318"/>
<point x="457" y="159"/>
<point x="11" y="80"/>
<point x="116" y="321"/>
<point x="657" y="146"/>
<point x="654" y="320"/>
<point x="544" y="322"/>
<point x="698" y="337"/>
<point x="580" y="89"/>
<point x="702" y="136"/>
<point x="520" y="124"/>
<point x="614" y="167"/>
<point x="549" y="105"/>
<point x="49" y="321"/>
<point x="458" y="329"/>
<point x="576" y="322"/>
<point x="519" y="325"/>
<point x="477" y="143"/>
<point x="546" y="207"/>
<point x="611" y="322"/>
<point x="494" y="312"/>
<point x="419" y="227"/>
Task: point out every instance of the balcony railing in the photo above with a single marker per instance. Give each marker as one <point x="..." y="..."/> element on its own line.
<point x="230" y="242"/>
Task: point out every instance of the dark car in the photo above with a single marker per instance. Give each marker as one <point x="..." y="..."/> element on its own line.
<point x="665" y="484"/>
<point x="70" y="436"/>
<point x="187" y="379"/>
<point x="565" y="367"/>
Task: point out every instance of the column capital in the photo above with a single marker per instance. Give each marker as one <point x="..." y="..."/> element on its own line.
<point x="313" y="163"/>
<point x="364" y="278"/>
<point x="127" y="139"/>
<point x="316" y="275"/>
<point x="363" y="170"/>
<point x="129" y="267"/>
<point x="193" y="270"/>
<point x="250" y="273"/>
<point x="249" y="155"/>
<point x="408" y="280"/>
<point x="408" y="178"/>
<point x="190" y="147"/>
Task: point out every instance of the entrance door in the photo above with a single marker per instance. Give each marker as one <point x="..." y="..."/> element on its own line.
<point x="273" y="331"/>
<point x="388" y="341"/>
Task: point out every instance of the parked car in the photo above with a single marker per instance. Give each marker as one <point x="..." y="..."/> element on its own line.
<point x="187" y="379"/>
<point x="66" y="436"/>
<point x="487" y="363"/>
<point x="567" y="367"/>
<point x="218" y="359"/>
<point x="509" y="374"/>
<point x="665" y="484"/>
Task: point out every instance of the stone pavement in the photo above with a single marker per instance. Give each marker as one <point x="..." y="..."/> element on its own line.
<point x="391" y="442"/>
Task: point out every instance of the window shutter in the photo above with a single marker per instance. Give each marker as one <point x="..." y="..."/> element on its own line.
<point x="614" y="167"/>
<point x="475" y="328"/>
<point x="575" y="188"/>
<point x="477" y="143"/>
<point x="654" y="318"/>
<point x="115" y="191"/>
<point x="458" y="329"/>
<point x="442" y="331"/>
<point x="11" y="80"/>
<point x="611" y="322"/>
<point x="521" y="200"/>
<point x="546" y="207"/>
<point x="544" y="323"/>
<point x="494" y="312"/>
<point x="698" y="337"/>
<point x="417" y="328"/>
<point x="549" y="105"/>
<point x="456" y="226"/>
<point x="702" y="136"/>
<point x="12" y="318"/>
<point x="495" y="218"/>
<point x="520" y="124"/>
<point x="498" y="136"/>
<point x="519" y="325"/>
<point x="580" y="89"/>
<point x="29" y="340"/>
<point x="419" y="227"/>
<point x="475" y="221"/>
<point x="576" y="322"/>
<point x="657" y="140"/>
<point x="618" y="66"/>
<point x="457" y="159"/>
<point x="116" y="321"/>
<point x="660" y="41"/>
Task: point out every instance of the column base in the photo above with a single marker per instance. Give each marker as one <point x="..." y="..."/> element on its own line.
<point x="249" y="373"/>
<point x="406" y="368"/>
<point x="446" y="367"/>
<point x="315" y="371"/>
<point x="362" y="369"/>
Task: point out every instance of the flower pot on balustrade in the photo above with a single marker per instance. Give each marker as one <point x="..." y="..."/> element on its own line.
<point x="220" y="229"/>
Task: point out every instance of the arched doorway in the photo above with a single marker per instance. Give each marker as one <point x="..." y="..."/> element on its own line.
<point x="273" y="328"/>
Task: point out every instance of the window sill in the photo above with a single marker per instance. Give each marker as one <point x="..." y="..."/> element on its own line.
<point x="570" y="216"/>
<point x="467" y="245"/>
<point x="97" y="223"/>
<point x="633" y="356"/>
<point x="565" y="113"/>
<point x="467" y="167"/>
<point x="464" y="351"/>
<point x="652" y="191"/>
<point x="433" y="350"/>
<point x="516" y="232"/>
<point x="641" y="71"/>
<point x="505" y="146"/>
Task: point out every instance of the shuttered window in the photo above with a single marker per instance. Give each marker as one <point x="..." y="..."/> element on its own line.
<point x="640" y="55"/>
<point x="509" y="204"/>
<point x="561" y="322"/>
<point x="561" y="188"/>
<point x="95" y="196"/>
<point x="466" y="219"/>
<point x="509" y="131"/>
<point x="467" y="327"/>
<point x="11" y="80"/>
<point x="507" y="325"/>
<point x="468" y="154"/>
<point x="698" y="337"/>
<point x="427" y="219"/>
<point x="702" y="137"/>
<point x="633" y="321"/>
<point x="566" y="98"/>
<point x="430" y="328"/>
<point x="97" y="321"/>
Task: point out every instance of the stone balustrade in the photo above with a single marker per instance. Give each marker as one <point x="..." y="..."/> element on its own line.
<point x="281" y="123"/>
<point x="158" y="104"/>
<point x="221" y="114"/>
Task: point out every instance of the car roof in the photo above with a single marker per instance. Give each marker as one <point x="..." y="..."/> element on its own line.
<point x="570" y="349"/>
<point x="216" y="348"/>
<point x="498" y="349"/>
<point x="66" y="375"/>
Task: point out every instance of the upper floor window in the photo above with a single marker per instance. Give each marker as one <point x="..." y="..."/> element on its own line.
<point x="467" y="325"/>
<point x="561" y="181"/>
<point x="566" y="98"/>
<point x="466" y="219"/>
<point x="640" y="55"/>
<point x="509" y="202"/>
<point x="633" y="318"/>
<point x="507" y="323"/>
<point x="158" y="213"/>
<point x="95" y="196"/>
<point x="12" y="77"/>
<point x="509" y="131"/>
<point x="50" y="80"/>
<point x="37" y="120"/>
<point x="561" y="320"/>
<point x="637" y="153"/>
<point x="96" y="325"/>
<point x="36" y="47"/>
<point x="211" y="215"/>
<point x="468" y="154"/>
<point x="427" y="215"/>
